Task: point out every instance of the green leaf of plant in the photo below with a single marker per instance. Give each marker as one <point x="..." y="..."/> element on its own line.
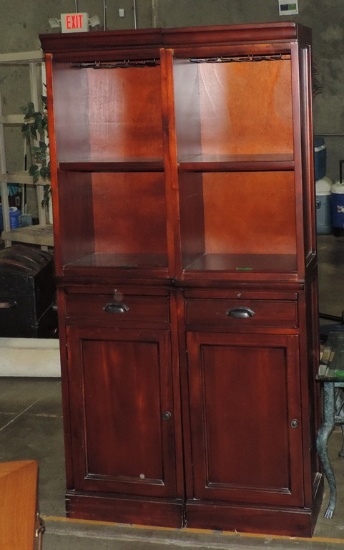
<point x="33" y="169"/>
<point x="33" y="131"/>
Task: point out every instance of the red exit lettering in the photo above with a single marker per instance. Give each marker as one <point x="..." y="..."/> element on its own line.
<point x="74" y="21"/>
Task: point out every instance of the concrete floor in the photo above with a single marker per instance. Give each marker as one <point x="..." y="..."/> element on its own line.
<point x="31" y="428"/>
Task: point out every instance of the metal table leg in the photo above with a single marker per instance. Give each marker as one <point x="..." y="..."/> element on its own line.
<point x="341" y="452"/>
<point x="322" y="440"/>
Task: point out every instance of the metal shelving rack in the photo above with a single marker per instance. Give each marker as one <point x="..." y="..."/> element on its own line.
<point x="42" y="234"/>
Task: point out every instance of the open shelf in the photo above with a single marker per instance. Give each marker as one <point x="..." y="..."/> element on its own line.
<point x="233" y="220"/>
<point x="108" y="114"/>
<point x="227" y="109"/>
<point x="113" y="219"/>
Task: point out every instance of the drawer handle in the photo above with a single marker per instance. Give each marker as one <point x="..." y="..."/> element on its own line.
<point x="240" y="312"/>
<point x="115" y="308"/>
<point x="8" y="305"/>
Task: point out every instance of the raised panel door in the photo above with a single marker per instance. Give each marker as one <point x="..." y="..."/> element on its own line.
<point x="122" y="411"/>
<point x="245" y="418"/>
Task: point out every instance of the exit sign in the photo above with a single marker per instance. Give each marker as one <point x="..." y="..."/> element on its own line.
<point x="288" y="7"/>
<point x="74" y="22"/>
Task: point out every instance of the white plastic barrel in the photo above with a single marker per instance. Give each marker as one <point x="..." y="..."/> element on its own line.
<point x="337" y="205"/>
<point x="323" y="206"/>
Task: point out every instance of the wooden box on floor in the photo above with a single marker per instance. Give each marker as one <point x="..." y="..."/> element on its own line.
<point x="20" y="525"/>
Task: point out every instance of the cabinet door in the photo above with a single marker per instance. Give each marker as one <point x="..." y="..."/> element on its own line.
<point x="245" y="418"/>
<point x="121" y="411"/>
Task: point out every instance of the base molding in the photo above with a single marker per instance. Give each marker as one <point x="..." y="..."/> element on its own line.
<point x="153" y="512"/>
<point x="193" y="514"/>
<point x="296" y="522"/>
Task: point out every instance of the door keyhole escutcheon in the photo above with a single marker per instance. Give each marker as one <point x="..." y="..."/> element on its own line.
<point x="167" y="415"/>
<point x="294" y="423"/>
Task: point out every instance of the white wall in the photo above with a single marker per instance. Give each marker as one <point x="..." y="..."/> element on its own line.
<point x="29" y="357"/>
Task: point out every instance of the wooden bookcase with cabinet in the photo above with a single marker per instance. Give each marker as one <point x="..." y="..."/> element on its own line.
<point x="186" y="265"/>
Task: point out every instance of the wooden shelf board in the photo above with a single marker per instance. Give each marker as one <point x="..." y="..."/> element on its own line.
<point x="115" y="165"/>
<point x="233" y="163"/>
<point x="12" y="119"/>
<point x="21" y="177"/>
<point x="32" y="234"/>
<point x="16" y="58"/>
<point x="204" y="163"/>
<point x="244" y="263"/>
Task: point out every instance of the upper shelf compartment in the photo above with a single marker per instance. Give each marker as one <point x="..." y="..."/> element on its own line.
<point x="108" y="113"/>
<point x="228" y="118"/>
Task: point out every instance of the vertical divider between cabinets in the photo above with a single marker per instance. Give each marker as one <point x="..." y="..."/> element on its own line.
<point x="179" y="387"/>
<point x="184" y="396"/>
<point x="170" y="160"/>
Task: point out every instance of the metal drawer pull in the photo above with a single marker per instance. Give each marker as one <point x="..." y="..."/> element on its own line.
<point x="240" y="312"/>
<point x="8" y="305"/>
<point x="115" y="308"/>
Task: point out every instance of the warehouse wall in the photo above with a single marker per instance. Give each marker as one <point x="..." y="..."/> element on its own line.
<point x="22" y="22"/>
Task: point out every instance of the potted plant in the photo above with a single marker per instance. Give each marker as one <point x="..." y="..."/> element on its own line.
<point x="35" y="132"/>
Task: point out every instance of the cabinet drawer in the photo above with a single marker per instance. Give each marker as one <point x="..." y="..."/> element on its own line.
<point x="104" y="307"/>
<point x="242" y="312"/>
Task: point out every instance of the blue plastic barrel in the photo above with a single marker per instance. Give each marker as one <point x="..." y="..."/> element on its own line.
<point x="15" y="214"/>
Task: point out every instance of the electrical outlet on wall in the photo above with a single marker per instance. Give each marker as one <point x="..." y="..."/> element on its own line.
<point x="288" y="7"/>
